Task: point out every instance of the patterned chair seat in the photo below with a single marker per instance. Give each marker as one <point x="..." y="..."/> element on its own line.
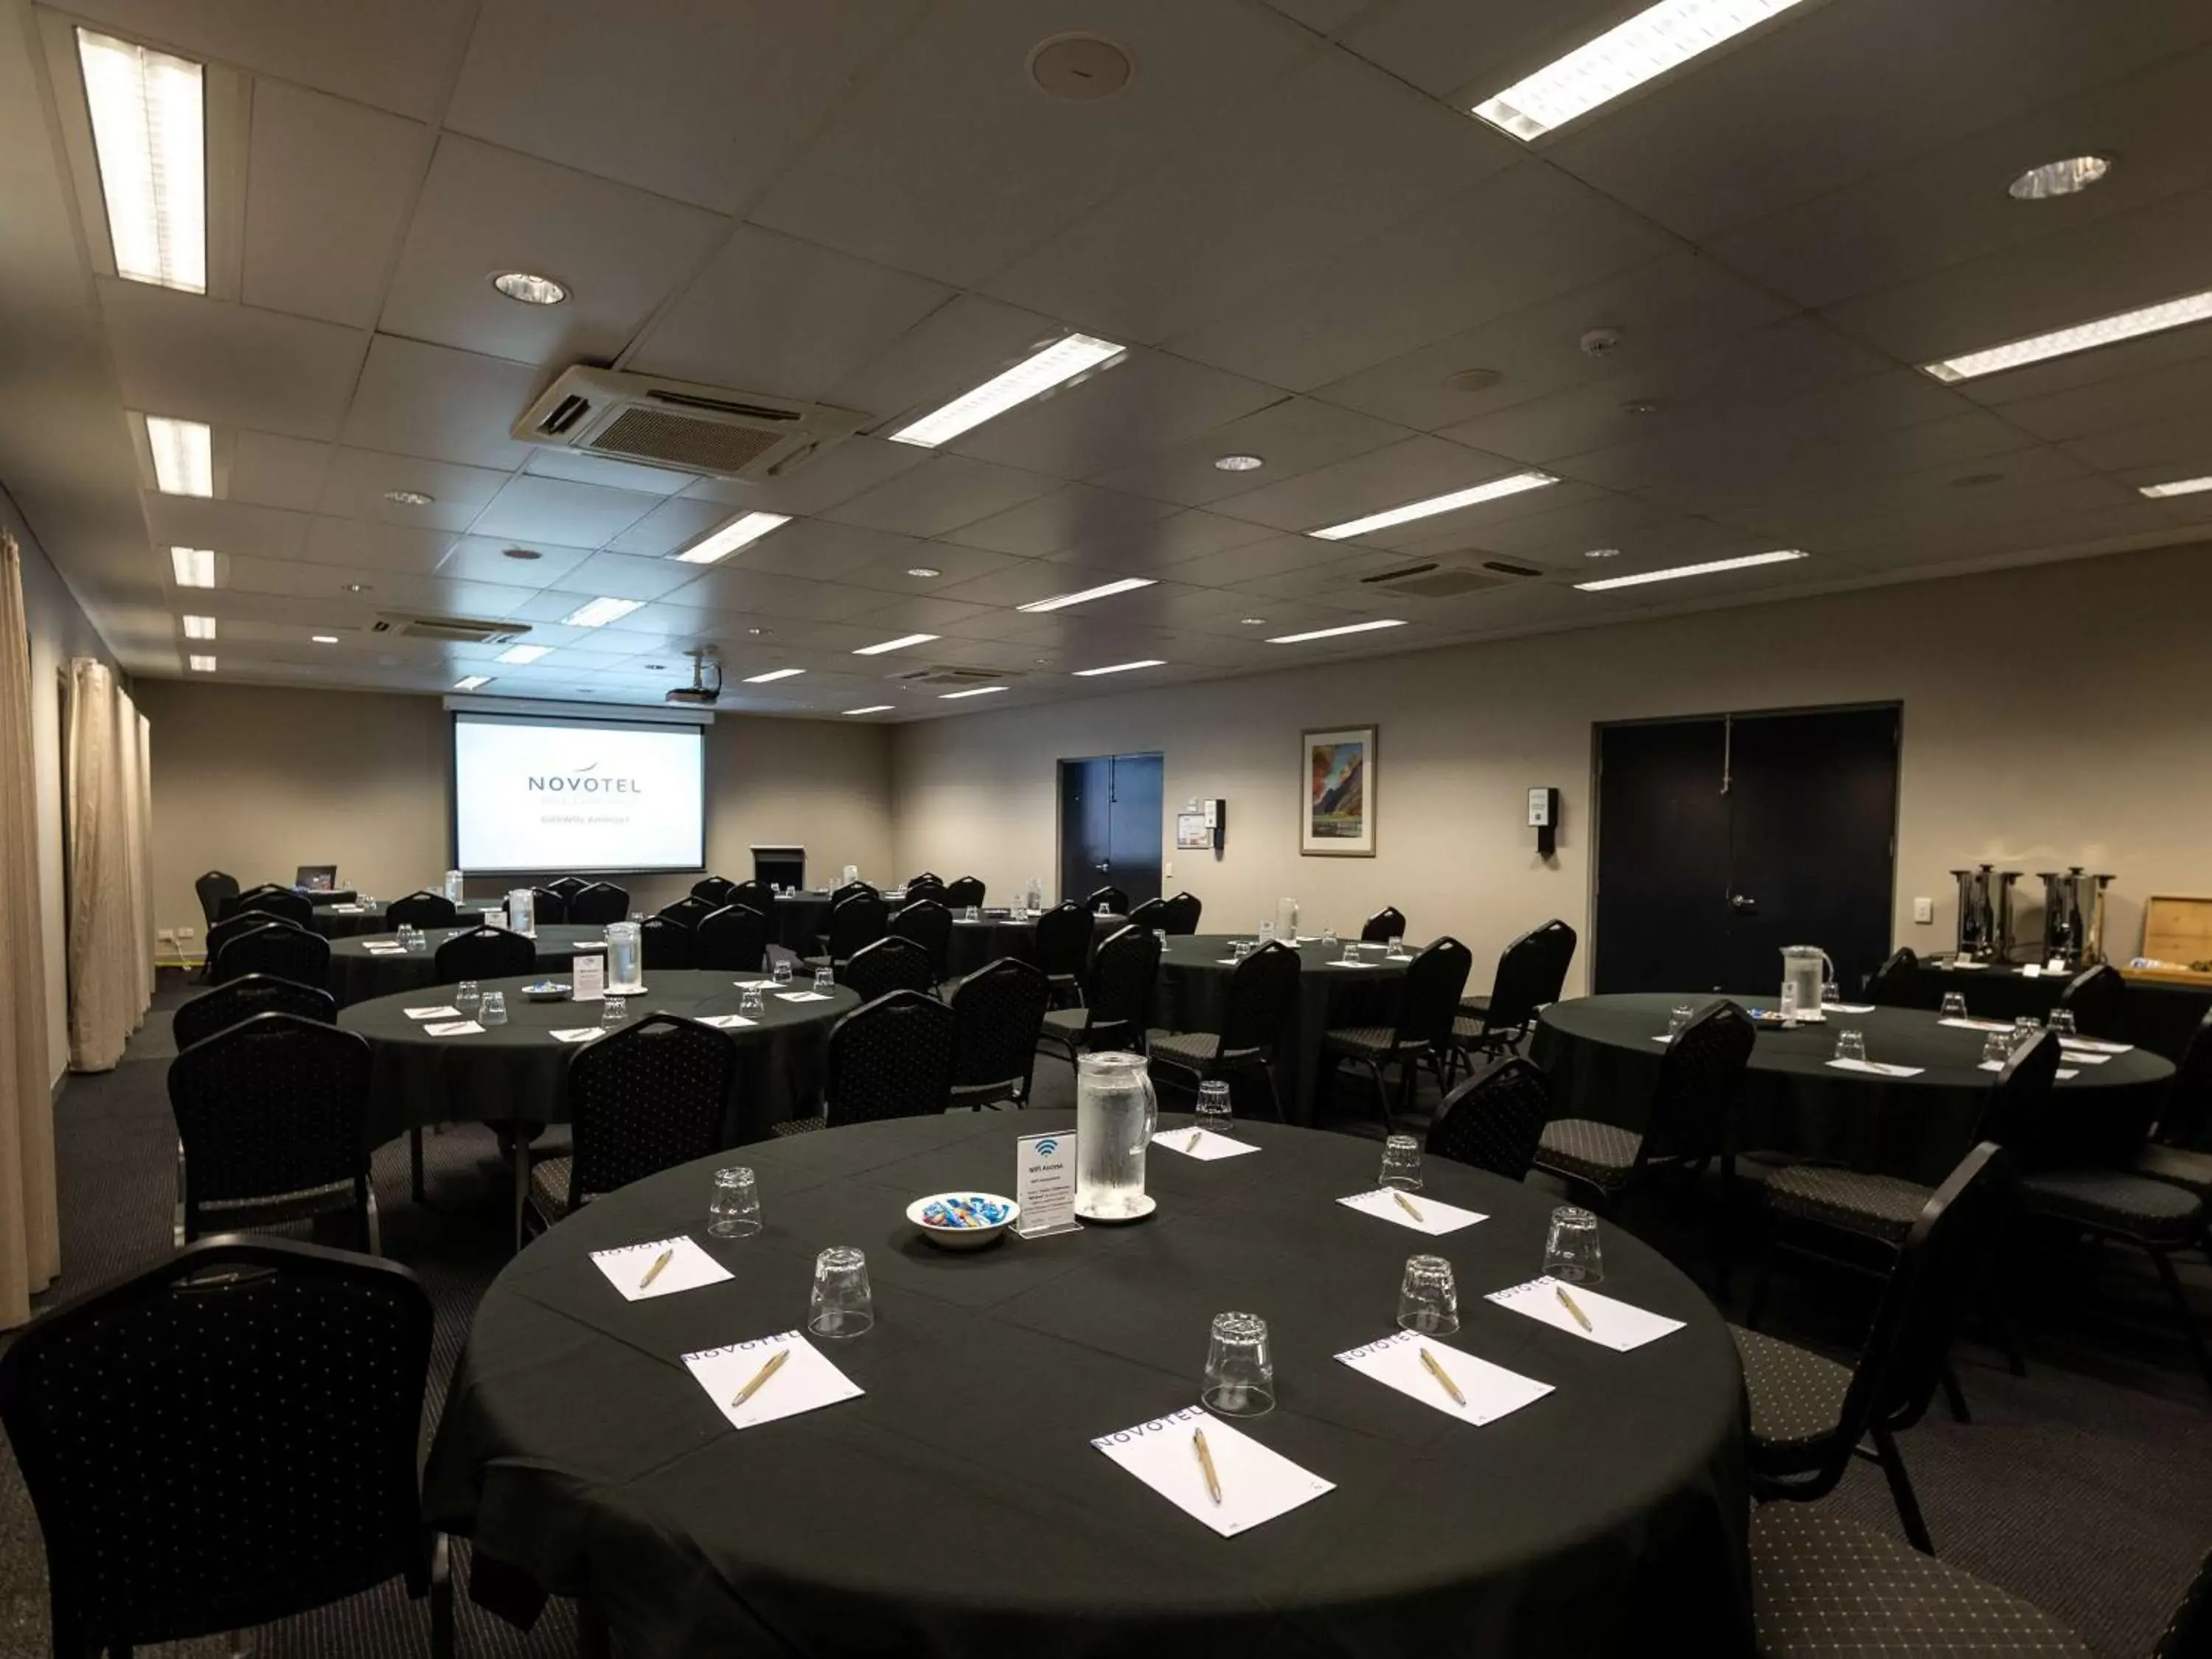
<point x="1367" y="1042"/>
<point x="1602" y="1154"/>
<point x="1796" y="1396"/>
<point x="2178" y="1167"/>
<point x="799" y="1125"/>
<point x="1476" y="1005"/>
<point x="548" y="1188"/>
<point x="1823" y="1586"/>
<point x="1196" y="1050"/>
<point x="2151" y="1210"/>
<point x="1873" y="1206"/>
<point x="1067" y="1022"/>
<point x="305" y="1201"/>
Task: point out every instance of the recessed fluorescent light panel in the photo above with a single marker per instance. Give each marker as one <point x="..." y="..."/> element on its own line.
<point x="525" y="654"/>
<point x="874" y="708"/>
<point x="772" y="674"/>
<point x="2179" y="487"/>
<point x="2069" y="177"/>
<point x="471" y="683"/>
<point x="2083" y="336"/>
<point x="199" y="628"/>
<point x="601" y="611"/>
<point x="741" y="531"/>
<point x="322" y="639"/>
<point x="147" y="133"/>
<point x="184" y="456"/>
<point x="1331" y="633"/>
<point x="193" y="566"/>
<point x="1121" y="667"/>
<point x="1659" y="39"/>
<point x="1061" y="601"/>
<point x="898" y="644"/>
<point x="973" y="691"/>
<point x="1055" y="365"/>
<point x="1712" y="567"/>
<point x="201" y="664"/>
<point x="1496" y="489"/>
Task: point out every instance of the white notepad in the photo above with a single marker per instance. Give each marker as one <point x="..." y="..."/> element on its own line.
<point x="689" y="1267"/>
<point x="804" y="1382"/>
<point x="455" y="1027"/>
<point x="1614" y="1325"/>
<point x="1432" y="1216"/>
<point x="2092" y="1045"/>
<point x="1963" y="1024"/>
<point x="1202" y="1144"/>
<point x="754" y="984"/>
<point x="2083" y="1056"/>
<point x="1358" y="964"/>
<point x="345" y="909"/>
<point x="386" y="949"/>
<point x="725" y="1022"/>
<point x="1490" y="1391"/>
<point x="578" y="1033"/>
<point x="801" y="996"/>
<point x="2064" y="1072"/>
<point x="1848" y="1007"/>
<point x="1877" y="1068"/>
<point x="432" y="1013"/>
<point x="1257" y="1484"/>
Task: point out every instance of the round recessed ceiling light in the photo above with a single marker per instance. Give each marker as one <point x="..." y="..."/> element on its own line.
<point x="324" y="639"/>
<point x="409" y="497"/>
<point x="2063" y="178"/>
<point x="1239" y="463"/>
<point x="1080" y="68"/>
<point x="520" y="553"/>
<point x="925" y="571"/>
<point x="531" y="290"/>
<point x="1602" y="553"/>
<point x="1254" y="622"/>
<point x="758" y="633"/>
<point x="356" y="587"/>
<point x="1473" y="380"/>
<point x="1640" y="406"/>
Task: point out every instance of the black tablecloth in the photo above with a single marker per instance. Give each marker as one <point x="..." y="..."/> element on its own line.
<point x="1193" y="989"/>
<point x="358" y="973"/>
<point x="512" y="1073"/>
<point x="2158" y="1015"/>
<point x="978" y="944"/>
<point x="1602" y="1060"/>
<point x="956" y="1508"/>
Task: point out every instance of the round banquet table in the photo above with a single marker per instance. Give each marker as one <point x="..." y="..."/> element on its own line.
<point x="1193" y="991"/>
<point x="956" y="1507"/>
<point x="978" y="944"/>
<point x="512" y="1073"/>
<point x="1603" y="1061"/>
<point x="2158" y="1015"/>
<point x="358" y="974"/>
<point x="346" y="921"/>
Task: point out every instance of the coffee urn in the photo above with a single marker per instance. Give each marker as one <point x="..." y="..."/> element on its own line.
<point x="2073" y="916"/>
<point x="1976" y="919"/>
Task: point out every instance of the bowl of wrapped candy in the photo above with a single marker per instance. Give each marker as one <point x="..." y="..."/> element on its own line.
<point x="963" y="1221"/>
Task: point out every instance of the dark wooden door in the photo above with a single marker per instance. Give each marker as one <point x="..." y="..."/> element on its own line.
<point x="1086" y="803"/>
<point x="1663" y="870"/>
<point x="1134" y="818"/>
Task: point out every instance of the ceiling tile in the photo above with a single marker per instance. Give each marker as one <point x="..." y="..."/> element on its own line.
<point x="674" y="524"/>
<point x="229" y="365"/>
<point x="359" y="545"/>
<point x="555" y="510"/>
<point x="834" y="476"/>
<point x="942" y="494"/>
<point x="360" y="480"/>
<point x="1290" y="435"/>
<point x="418" y="399"/>
<point x="1074" y="515"/>
<point x="1131" y="405"/>
<point x="485" y="559"/>
<point x="890" y="572"/>
<point x="235" y="529"/>
<point x="823" y="551"/>
<point x="619" y="576"/>
<point x="271" y="471"/>
<point x="748" y="593"/>
<point x="1412" y="469"/>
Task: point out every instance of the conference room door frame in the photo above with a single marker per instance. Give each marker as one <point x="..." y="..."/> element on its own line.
<point x="1111" y="810"/>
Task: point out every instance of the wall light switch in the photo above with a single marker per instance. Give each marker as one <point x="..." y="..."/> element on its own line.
<point x="1168" y="869"/>
<point x="1923" y="910"/>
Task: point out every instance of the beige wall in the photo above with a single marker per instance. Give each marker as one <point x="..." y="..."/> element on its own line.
<point x="258" y="781"/>
<point x="2017" y="749"/>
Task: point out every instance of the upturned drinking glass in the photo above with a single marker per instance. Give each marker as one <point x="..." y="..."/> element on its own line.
<point x="1851" y="1045"/>
<point x="1328" y="938"/>
<point x="1428" y="1297"/>
<point x="751" y="1003"/>
<point x="467" y="997"/>
<point x="1350" y="950"/>
<point x="1401" y="1163"/>
<point x="2061" y="1023"/>
<point x="1997" y="1048"/>
<point x="1395" y="948"/>
<point x="841" y="1304"/>
<point x="734" y="1210"/>
<point x="1570" y="1249"/>
<point x="1240" y="1366"/>
<point x="825" y="981"/>
<point x="494" y="1010"/>
<point x="1213" y="1106"/>
<point x="1954" y="1005"/>
<point x="613" y="1011"/>
<point x="1679" y="1020"/>
<point x="781" y="972"/>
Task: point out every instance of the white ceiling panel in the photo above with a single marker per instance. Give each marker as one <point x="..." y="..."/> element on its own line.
<point x="1445" y="47"/>
<point x="956" y="348"/>
<point x="618" y="251"/>
<point x="892" y="571"/>
<point x="551" y="461"/>
<point x="1412" y="470"/>
<point x="893" y="175"/>
<point x="1144" y="399"/>
<point x="671" y="526"/>
<point x="361" y="481"/>
<point x="774" y="314"/>
<point x="2161" y="451"/>
<point x="1290" y="435"/>
<point x="837" y="475"/>
<point x="746" y="594"/>
<point x="942" y="494"/>
<point x="2173" y="393"/>
<point x="361" y="546"/>
<point x="1076" y="515"/>
<point x="1325" y="16"/>
<point x="232" y="528"/>
<point x="272" y="471"/>
<point x="229" y="365"/>
<point x="823" y="551"/>
<point x="329" y="187"/>
<point x="555" y="510"/>
<point x="620" y="576"/>
<point x="1330" y="157"/>
<point x="428" y="400"/>
<point x="487" y="559"/>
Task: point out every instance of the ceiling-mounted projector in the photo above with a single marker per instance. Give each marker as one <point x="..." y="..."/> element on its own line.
<point x="706" y="687"/>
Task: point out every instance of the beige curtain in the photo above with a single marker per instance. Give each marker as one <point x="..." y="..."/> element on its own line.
<point x="110" y="965"/>
<point x="30" y="1240"/>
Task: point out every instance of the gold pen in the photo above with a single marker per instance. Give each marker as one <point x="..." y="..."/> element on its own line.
<point x="1581" y="1318"/>
<point x="774" y="1363"/>
<point x="654" y="1272"/>
<point x="1206" y="1462"/>
<point x="1407" y="1204"/>
<point x="1437" y="1371"/>
<point x="1194" y="1134"/>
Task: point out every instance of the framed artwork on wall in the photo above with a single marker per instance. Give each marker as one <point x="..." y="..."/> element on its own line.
<point x="1338" y="818"/>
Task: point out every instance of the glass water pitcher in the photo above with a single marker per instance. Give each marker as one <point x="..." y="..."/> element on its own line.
<point x="1115" y="1113"/>
<point x="625" y="958"/>
<point x="454" y="886"/>
<point x="1805" y="970"/>
<point x="521" y="910"/>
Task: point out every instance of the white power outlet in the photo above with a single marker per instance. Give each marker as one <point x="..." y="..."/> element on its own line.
<point x="188" y="932"/>
<point x="1924" y="910"/>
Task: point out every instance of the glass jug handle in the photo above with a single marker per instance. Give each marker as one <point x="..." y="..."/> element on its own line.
<point x="1827" y="969"/>
<point x="1151" y="1110"/>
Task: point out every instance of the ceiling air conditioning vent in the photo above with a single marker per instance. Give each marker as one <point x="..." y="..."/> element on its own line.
<point x="450" y="630"/>
<point x="945" y="674"/>
<point x="1433" y="579"/>
<point x="705" y="429"/>
<point x="1507" y="568"/>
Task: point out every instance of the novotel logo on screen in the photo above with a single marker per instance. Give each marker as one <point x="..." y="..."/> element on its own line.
<point x="581" y="781"/>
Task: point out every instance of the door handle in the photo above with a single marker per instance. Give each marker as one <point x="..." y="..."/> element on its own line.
<point x="1104" y="867"/>
<point x="1743" y="906"/>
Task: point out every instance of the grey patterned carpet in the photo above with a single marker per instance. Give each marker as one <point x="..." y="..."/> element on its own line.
<point x="2085" y="1487"/>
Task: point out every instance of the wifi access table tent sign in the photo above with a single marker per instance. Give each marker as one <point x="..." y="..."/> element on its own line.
<point x="1044" y="1185"/>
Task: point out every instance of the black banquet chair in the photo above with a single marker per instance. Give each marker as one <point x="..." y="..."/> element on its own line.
<point x="424" y="909"/>
<point x="2094" y="997"/>
<point x="1428" y="1000"/>
<point x="754" y="894"/>
<point x="2176" y="1153"/>
<point x="213" y="889"/>
<point x="1183" y="912"/>
<point x="890" y="1057"/>
<point x="927" y="885"/>
<point x="859" y="920"/>
<point x="1108" y="901"/>
<point x="224" y="1440"/>
<point x="1152" y="913"/>
<point x="272" y="1125"/>
<point x="715" y="890"/>
<point x="484" y="953"/>
<point x="889" y="965"/>
<point x="927" y="923"/>
<point x="1894" y="983"/>
<point x="734" y="940"/>
<point x="664" y="942"/>
<point x="1531" y="972"/>
<point x="567" y="886"/>
<point x="647" y="1098"/>
<point x="1116" y="1002"/>
<point x="1495" y="1119"/>
<point x="849" y="891"/>
<point x="241" y="998"/>
<point x="963" y="891"/>
<point x="549" y="906"/>
<point x="271" y="900"/>
<point x="1263" y="989"/>
<point x="287" y="951"/>
<point x="998" y="1012"/>
<point x="1062" y="949"/>
<point x="232" y="927"/>
<point x="597" y="904"/>
<point x="1385" y="925"/>
<point x="687" y="911"/>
